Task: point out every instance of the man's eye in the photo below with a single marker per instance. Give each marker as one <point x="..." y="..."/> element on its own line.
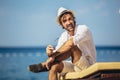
<point x="64" y="21"/>
<point x="70" y="18"/>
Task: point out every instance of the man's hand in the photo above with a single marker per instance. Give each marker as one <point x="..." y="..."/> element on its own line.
<point x="49" y="62"/>
<point x="49" y="50"/>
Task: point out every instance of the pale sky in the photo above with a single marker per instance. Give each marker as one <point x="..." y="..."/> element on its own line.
<point x="33" y="22"/>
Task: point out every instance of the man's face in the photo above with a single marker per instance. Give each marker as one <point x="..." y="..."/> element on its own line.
<point x="68" y="23"/>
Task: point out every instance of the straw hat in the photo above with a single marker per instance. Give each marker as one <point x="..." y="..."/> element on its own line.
<point x="62" y="11"/>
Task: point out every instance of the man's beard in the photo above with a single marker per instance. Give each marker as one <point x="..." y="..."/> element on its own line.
<point x="70" y="27"/>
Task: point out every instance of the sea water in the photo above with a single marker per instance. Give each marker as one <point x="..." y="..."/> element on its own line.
<point x="14" y="61"/>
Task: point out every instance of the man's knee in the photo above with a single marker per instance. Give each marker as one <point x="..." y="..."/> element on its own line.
<point x="57" y="67"/>
<point x="76" y="49"/>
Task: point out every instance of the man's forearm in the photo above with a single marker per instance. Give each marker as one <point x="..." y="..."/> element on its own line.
<point x="64" y="48"/>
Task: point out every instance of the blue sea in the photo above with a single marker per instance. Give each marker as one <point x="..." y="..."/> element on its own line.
<point x="14" y="61"/>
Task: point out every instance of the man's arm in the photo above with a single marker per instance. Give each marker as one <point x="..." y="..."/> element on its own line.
<point x="64" y="48"/>
<point x="61" y="54"/>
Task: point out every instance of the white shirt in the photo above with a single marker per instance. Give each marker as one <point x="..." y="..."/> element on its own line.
<point x="83" y="40"/>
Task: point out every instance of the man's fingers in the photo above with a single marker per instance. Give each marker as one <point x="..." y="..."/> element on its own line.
<point x="47" y="66"/>
<point x="50" y="47"/>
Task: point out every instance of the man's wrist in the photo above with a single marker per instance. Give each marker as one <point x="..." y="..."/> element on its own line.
<point x="54" y="54"/>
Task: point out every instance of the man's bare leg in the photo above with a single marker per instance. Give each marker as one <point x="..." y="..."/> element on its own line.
<point x="55" y="68"/>
<point x="76" y="54"/>
<point x="58" y="67"/>
<point x="40" y="67"/>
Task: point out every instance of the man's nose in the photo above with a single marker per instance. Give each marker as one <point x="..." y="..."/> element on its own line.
<point x="68" y="22"/>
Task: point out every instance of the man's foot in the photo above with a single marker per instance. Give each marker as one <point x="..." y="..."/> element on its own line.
<point x="37" y="68"/>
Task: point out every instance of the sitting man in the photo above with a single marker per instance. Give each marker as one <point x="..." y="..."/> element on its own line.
<point x="75" y="42"/>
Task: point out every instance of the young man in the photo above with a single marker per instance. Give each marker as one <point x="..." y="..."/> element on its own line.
<point x="75" y="42"/>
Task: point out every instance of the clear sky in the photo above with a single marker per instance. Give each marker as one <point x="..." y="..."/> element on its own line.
<point x="33" y="22"/>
